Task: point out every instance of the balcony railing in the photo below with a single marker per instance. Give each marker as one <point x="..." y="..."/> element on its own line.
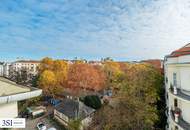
<point x="178" y="92"/>
<point x="178" y="119"/>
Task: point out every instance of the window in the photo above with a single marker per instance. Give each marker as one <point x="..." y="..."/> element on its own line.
<point x="166" y="79"/>
<point x="175" y="102"/>
<point x="174" y="79"/>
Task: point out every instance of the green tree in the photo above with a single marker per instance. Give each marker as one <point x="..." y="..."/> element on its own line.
<point x="92" y="101"/>
<point x="35" y="80"/>
<point x="24" y="74"/>
<point x="18" y="77"/>
<point x="74" y="124"/>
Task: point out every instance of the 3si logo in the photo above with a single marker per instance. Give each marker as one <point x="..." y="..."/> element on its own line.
<point x="7" y="123"/>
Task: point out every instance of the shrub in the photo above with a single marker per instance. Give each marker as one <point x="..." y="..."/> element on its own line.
<point x="92" y="101"/>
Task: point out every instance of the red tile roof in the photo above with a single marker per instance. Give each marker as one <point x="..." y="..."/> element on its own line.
<point x="157" y="63"/>
<point x="182" y="51"/>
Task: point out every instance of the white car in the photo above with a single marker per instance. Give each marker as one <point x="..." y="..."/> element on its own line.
<point x="41" y="126"/>
<point x="52" y="128"/>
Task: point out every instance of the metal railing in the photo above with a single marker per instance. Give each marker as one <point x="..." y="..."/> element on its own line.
<point x="179" y="93"/>
<point x="178" y="119"/>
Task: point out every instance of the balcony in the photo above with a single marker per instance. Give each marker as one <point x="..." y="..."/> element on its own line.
<point x="179" y="93"/>
<point x="178" y="119"/>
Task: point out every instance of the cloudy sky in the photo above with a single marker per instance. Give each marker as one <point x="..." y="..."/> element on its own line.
<point x="91" y="29"/>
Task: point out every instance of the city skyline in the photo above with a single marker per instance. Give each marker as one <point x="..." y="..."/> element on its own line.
<point x="123" y="30"/>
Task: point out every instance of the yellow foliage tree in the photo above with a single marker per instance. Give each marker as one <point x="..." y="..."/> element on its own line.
<point x="46" y="64"/>
<point x="113" y="72"/>
<point x="60" y="69"/>
<point x="48" y="83"/>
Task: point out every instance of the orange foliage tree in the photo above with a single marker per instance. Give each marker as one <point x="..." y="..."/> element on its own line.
<point x="86" y="76"/>
<point x="52" y="75"/>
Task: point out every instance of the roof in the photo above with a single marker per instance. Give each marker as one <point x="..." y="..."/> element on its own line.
<point x="27" y="61"/>
<point x="157" y="63"/>
<point x="73" y="108"/>
<point x="12" y="92"/>
<point x="185" y="50"/>
<point x="9" y="88"/>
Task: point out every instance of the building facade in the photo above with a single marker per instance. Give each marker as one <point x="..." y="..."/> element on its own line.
<point x="177" y="84"/>
<point x="6" y="70"/>
<point x="10" y="94"/>
<point x="1" y="69"/>
<point x="31" y="68"/>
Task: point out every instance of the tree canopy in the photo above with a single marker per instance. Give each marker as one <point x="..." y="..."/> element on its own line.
<point x="85" y="76"/>
<point x="137" y="90"/>
<point x="52" y="75"/>
<point x="134" y="106"/>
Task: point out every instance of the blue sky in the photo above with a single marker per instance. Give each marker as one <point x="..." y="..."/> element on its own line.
<point x="91" y="29"/>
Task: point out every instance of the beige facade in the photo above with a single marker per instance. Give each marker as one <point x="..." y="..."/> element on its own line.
<point x="10" y="94"/>
<point x="63" y="119"/>
<point x="6" y="70"/>
<point x="9" y="110"/>
<point x="177" y="84"/>
<point x="30" y="66"/>
<point x="1" y="69"/>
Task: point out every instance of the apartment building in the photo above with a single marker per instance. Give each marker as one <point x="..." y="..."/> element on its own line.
<point x="1" y="69"/>
<point x="30" y="66"/>
<point x="177" y="84"/>
<point x="6" y="70"/>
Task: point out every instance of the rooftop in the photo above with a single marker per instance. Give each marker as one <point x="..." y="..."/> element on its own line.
<point x="8" y="87"/>
<point x="27" y="61"/>
<point x="72" y="108"/>
<point x="12" y="92"/>
<point x="185" y="50"/>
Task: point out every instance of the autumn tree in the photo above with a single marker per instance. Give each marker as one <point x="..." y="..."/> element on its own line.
<point x="53" y="75"/>
<point x="85" y="76"/>
<point x="134" y="107"/>
<point x="113" y="74"/>
<point x="46" y="64"/>
<point x="48" y="83"/>
<point x="60" y="68"/>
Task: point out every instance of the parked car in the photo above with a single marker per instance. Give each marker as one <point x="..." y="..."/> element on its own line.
<point x="36" y="111"/>
<point x="41" y="126"/>
<point x="52" y="128"/>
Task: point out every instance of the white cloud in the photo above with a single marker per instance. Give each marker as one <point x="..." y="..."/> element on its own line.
<point x="122" y="29"/>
